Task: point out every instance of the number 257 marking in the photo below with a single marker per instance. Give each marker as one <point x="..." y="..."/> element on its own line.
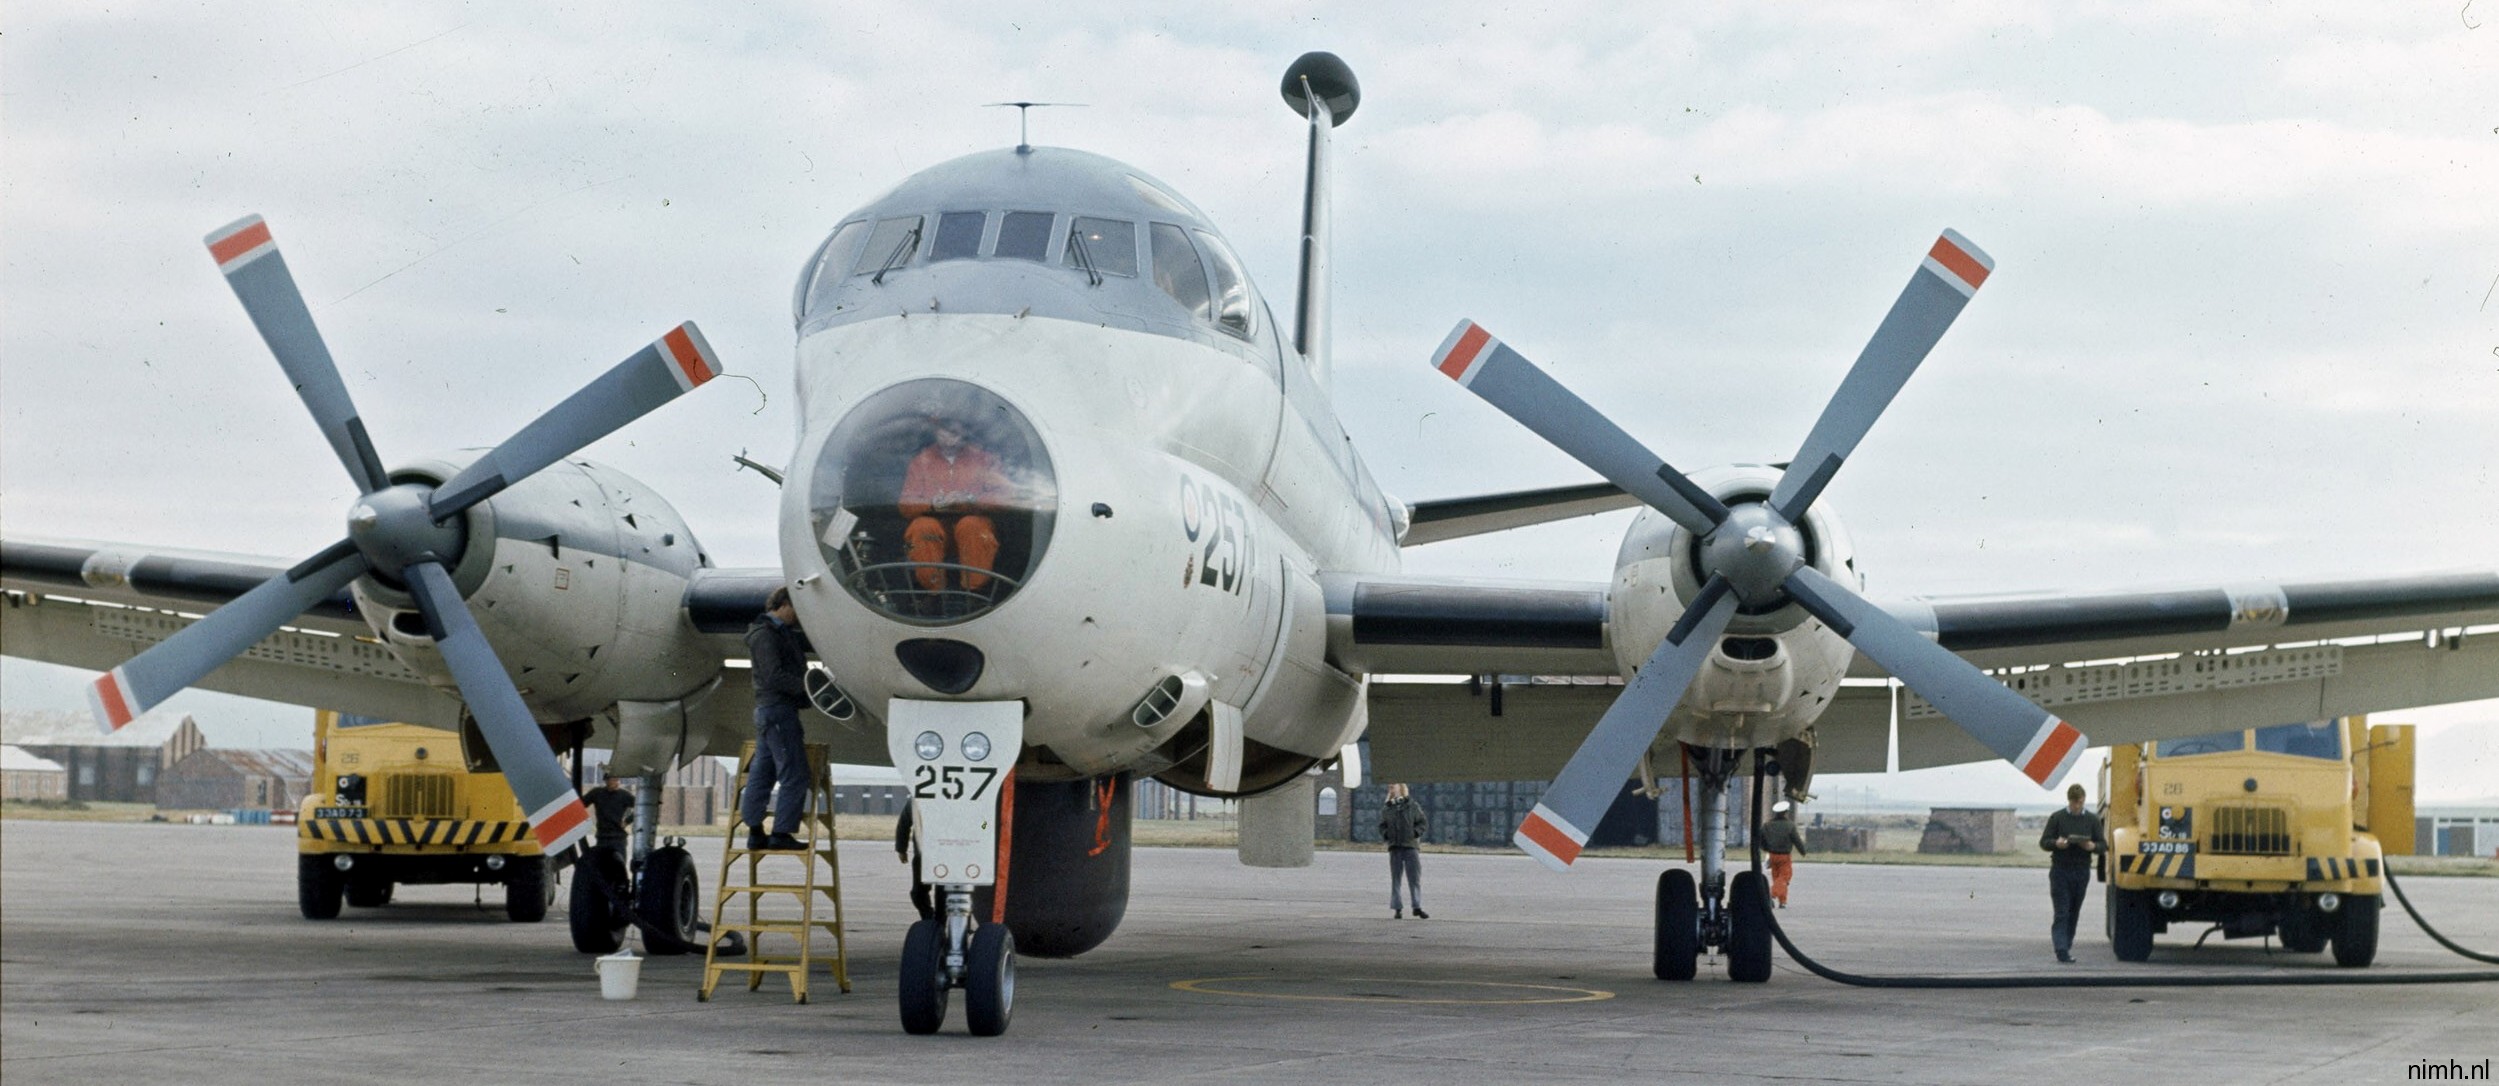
<point x="949" y="781"/>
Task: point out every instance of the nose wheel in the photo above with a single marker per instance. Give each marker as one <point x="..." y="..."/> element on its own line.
<point x="948" y="952"/>
<point x="1725" y="913"/>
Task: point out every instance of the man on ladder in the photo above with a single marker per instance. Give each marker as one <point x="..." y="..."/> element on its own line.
<point x="779" y="773"/>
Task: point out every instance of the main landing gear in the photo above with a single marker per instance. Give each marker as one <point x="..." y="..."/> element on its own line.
<point x="952" y="951"/>
<point x="1720" y="915"/>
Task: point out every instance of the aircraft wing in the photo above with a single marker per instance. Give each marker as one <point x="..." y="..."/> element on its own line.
<point x="2185" y="661"/>
<point x="94" y="606"/>
<point x="1457" y="518"/>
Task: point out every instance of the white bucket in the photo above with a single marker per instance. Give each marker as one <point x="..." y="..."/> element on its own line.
<point x="620" y="975"/>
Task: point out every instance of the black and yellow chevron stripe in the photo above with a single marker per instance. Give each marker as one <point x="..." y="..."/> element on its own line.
<point x="413" y="831"/>
<point x="2330" y="868"/>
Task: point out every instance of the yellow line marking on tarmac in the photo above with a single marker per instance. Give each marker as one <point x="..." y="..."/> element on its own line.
<point x="1206" y="986"/>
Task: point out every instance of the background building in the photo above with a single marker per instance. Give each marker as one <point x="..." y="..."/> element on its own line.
<point x="27" y="777"/>
<point x="122" y="767"/>
<point x="225" y="780"/>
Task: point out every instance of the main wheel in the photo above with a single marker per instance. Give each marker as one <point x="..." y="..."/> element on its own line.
<point x="598" y="925"/>
<point x="525" y="896"/>
<point x="989" y="981"/>
<point x="2302" y="929"/>
<point x="1748" y="928"/>
<point x="2356" y="938"/>
<point x="923" y="987"/>
<point x="318" y="886"/>
<point x="1678" y="951"/>
<point x="368" y="891"/>
<point x="669" y="902"/>
<point x="2130" y="924"/>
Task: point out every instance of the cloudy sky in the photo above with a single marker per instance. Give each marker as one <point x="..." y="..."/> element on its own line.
<point x="2242" y="323"/>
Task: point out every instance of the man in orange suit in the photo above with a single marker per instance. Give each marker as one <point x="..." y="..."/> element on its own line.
<point x="946" y="492"/>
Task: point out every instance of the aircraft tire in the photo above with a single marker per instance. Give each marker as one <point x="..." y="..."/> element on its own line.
<point x="2356" y="937"/>
<point x="989" y="981"/>
<point x="2130" y="924"/>
<point x="596" y="927"/>
<point x="525" y="896"/>
<point x="319" y="887"/>
<point x="669" y="902"/>
<point x="1748" y="937"/>
<point x="369" y="891"/>
<point x="923" y="984"/>
<point x="1678" y="947"/>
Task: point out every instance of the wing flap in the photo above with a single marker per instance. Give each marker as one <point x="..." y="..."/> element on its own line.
<point x="1457" y="518"/>
<point x="1450" y="732"/>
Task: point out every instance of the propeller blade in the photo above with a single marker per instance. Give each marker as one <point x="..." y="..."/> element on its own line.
<point x="147" y="679"/>
<point x="253" y="266"/>
<point x="1942" y="285"/>
<point x="1507" y="380"/>
<point x="2039" y="744"/>
<point x="556" y="815"/>
<point x="668" y="368"/>
<point x="1559" y="826"/>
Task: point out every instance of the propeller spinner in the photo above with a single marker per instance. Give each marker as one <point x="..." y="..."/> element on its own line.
<point x="1753" y="554"/>
<point x="407" y="532"/>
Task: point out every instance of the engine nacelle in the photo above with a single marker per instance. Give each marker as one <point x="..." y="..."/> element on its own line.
<point x="577" y="575"/>
<point x="1776" y="667"/>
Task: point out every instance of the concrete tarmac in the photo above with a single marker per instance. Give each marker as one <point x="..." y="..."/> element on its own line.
<point x="165" y="953"/>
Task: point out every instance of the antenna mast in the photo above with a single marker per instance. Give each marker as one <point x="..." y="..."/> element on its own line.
<point x="1023" y="125"/>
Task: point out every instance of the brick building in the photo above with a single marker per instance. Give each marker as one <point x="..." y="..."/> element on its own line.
<point x="122" y="767"/>
<point x="225" y="780"/>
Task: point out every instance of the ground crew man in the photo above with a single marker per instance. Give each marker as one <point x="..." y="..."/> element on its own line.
<point x="1779" y="836"/>
<point x="1402" y="826"/>
<point x="611" y="807"/>
<point x="779" y="770"/>
<point x="2072" y="840"/>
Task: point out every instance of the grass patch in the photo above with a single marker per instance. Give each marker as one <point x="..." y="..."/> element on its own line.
<point x="56" y="810"/>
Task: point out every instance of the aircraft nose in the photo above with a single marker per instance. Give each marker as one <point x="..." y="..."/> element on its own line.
<point x="933" y="501"/>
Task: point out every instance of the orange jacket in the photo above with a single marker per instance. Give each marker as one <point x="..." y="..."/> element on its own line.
<point x="971" y="480"/>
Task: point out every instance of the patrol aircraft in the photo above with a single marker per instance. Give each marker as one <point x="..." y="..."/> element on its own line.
<point x="1071" y="507"/>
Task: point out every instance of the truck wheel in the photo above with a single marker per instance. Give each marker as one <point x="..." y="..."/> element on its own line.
<point x="2302" y="929"/>
<point x="2130" y="924"/>
<point x="669" y="903"/>
<point x="2356" y="938"/>
<point x="1748" y="924"/>
<point x="368" y="891"/>
<point x="318" y="886"/>
<point x="1678" y="951"/>
<point x="525" y="889"/>
<point x="597" y="926"/>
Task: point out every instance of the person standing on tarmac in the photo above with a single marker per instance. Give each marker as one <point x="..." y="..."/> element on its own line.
<point x="1779" y="836"/>
<point x="2071" y="839"/>
<point x="611" y="807"/>
<point x="1402" y="826"/>
<point x="779" y="770"/>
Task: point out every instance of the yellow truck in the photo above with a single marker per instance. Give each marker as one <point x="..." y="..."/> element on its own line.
<point x="2279" y="831"/>
<point x="397" y="803"/>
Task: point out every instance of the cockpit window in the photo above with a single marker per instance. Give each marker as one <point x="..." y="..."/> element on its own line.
<point x="1025" y="235"/>
<point x="2321" y="739"/>
<point x="1232" y="294"/>
<point x="2216" y="743"/>
<point x="1177" y="271"/>
<point x="958" y="235"/>
<point x="840" y="252"/>
<point x="891" y="246"/>
<point x="1105" y="246"/>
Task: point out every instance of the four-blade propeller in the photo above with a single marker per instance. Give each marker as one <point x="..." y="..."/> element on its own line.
<point x="408" y="533"/>
<point x="1754" y="556"/>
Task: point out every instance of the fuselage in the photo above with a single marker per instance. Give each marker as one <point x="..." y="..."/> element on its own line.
<point x="1139" y="480"/>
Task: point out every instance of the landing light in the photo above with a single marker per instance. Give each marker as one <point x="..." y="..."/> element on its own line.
<point x="929" y="746"/>
<point x="976" y="747"/>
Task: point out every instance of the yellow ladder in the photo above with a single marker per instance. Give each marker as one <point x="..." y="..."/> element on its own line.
<point x="815" y="833"/>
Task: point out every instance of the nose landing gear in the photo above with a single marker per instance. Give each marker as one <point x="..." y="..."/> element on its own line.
<point x="1720" y="915"/>
<point x="952" y="951"/>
